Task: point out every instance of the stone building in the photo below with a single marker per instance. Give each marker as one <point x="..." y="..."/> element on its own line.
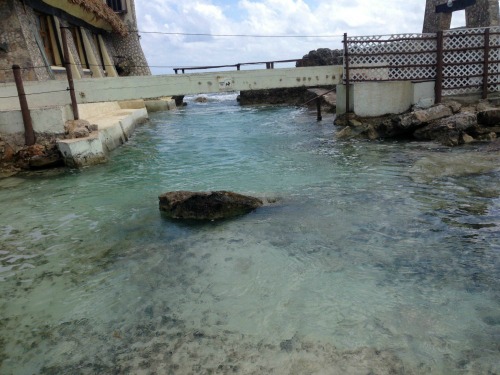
<point x="101" y="34"/>
<point x="484" y="13"/>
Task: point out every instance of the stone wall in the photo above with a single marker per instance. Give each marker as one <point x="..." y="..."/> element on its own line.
<point x="129" y="57"/>
<point x="484" y="13"/>
<point x="18" y="44"/>
<point x="434" y="22"/>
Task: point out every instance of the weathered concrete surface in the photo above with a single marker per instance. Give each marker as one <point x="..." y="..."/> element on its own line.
<point x="381" y="98"/>
<point x="160" y="104"/>
<point x="114" y="129"/>
<point x="372" y="99"/>
<point x="45" y="120"/>
<point x="206" y="205"/>
<point x="147" y="87"/>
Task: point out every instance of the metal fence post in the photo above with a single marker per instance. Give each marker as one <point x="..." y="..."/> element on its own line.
<point x="438" y="86"/>
<point x="346" y="63"/>
<point x="486" y="62"/>
<point x="319" y="117"/>
<point x="29" y="133"/>
<point x="67" y="65"/>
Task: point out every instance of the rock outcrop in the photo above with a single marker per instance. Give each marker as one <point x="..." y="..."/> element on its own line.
<point x="79" y="128"/>
<point x="449" y="123"/>
<point x="206" y="205"/>
<point x="322" y="57"/>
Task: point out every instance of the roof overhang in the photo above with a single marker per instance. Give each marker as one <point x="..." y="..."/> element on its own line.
<point x="81" y="13"/>
<point x="92" y="12"/>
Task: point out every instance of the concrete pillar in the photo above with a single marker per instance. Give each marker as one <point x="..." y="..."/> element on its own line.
<point x="483" y="14"/>
<point x="434" y="22"/>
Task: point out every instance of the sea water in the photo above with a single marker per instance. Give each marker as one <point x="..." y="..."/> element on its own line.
<point x="373" y="257"/>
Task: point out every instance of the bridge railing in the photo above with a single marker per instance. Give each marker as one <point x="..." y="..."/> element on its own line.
<point x="269" y="65"/>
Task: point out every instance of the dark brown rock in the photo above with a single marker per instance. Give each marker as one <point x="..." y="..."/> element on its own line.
<point x="81" y="133"/>
<point x="45" y="161"/>
<point x="206" y="205"/>
<point x="92" y="127"/>
<point x="489" y="117"/>
<point x="291" y="96"/>
<point x="322" y="57"/>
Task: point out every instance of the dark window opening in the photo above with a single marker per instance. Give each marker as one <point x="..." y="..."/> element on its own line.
<point x="118" y="6"/>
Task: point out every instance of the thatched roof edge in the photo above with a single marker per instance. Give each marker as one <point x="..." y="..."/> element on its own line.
<point x="101" y="11"/>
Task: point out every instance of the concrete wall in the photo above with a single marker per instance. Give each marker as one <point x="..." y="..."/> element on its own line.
<point x="48" y="120"/>
<point x="372" y="99"/>
<point x="423" y="94"/>
<point x="133" y="61"/>
<point x="126" y="88"/>
<point x="341" y="99"/>
<point x="380" y="98"/>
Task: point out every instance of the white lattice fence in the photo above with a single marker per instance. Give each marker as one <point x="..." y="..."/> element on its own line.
<point x="415" y="57"/>
<point x="392" y="58"/>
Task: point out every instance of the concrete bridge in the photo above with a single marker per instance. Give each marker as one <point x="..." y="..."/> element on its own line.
<point x="54" y="93"/>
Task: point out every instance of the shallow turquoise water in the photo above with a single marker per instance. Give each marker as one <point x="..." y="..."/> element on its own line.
<point x="378" y="257"/>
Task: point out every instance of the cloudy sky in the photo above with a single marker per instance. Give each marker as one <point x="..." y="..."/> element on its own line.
<point x="308" y="25"/>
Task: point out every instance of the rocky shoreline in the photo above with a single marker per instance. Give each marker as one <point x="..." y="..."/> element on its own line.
<point x="450" y="124"/>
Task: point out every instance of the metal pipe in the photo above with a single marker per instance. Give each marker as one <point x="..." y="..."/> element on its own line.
<point x="438" y="86"/>
<point x="69" y="74"/>
<point x="346" y="64"/>
<point x="318" y="108"/>
<point x="29" y="133"/>
<point x="486" y="62"/>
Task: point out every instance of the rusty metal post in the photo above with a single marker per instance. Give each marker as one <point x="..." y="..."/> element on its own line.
<point x="29" y="133"/>
<point x="486" y="62"/>
<point x="438" y="86"/>
<point x="69" y="74"/>
<point x="318" y="108"/>
<point x="346" y="64"/>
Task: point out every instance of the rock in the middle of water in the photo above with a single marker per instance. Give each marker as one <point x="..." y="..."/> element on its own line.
<point x="206" y="205"/>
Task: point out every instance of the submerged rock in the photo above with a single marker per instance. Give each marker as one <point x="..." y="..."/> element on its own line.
<point x="206" y="205"/>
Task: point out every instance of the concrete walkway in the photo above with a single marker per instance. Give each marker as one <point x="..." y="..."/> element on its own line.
<point x="115" y="122"/>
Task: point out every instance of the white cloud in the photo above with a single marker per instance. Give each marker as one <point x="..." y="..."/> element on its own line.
<point x="263" y="17"/>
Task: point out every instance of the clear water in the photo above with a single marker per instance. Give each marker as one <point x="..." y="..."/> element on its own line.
<point x="377" y="258"/>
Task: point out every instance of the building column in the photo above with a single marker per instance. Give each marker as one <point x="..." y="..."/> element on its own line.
<point x="434" y="22"/>
<point x="483" y="14"/>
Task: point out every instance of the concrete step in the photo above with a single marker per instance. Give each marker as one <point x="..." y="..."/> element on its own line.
<point x="114" y="129"/>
